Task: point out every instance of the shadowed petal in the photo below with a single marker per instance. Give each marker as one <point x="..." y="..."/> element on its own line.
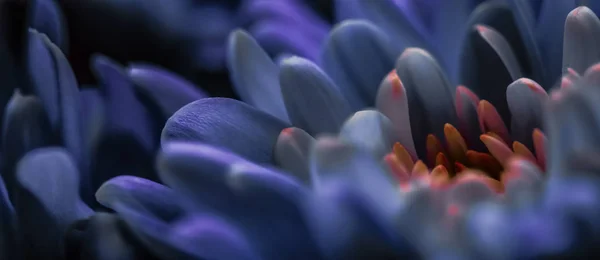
<point x="281" y="36"/>
<point x="526" y="100"/>
<point x="254" y="75"/>
<point x="347" y="9"/>
<point x="168" y="90"/>
<point x="47" y="18"/>
<point x="9" y="238"/>
<point x="466" y="103"/>
<point x="393" y="103"/>
<point x="429" y="94"/>
<point x="291" y="152"/>
<point x="264" y="204"/>
<point x="93" y="116"/>
<point x="312" y="100"/>
<point x="44" y="80"/>
<point x="49" y="200"/>
<point x="522" y="180"/>
<point x="228" y="124"/>
<point x="25" y="128"/>
<point x="582" y="37"/>
<point x="356" y="56"/>
<point x="370" y="130"/>
<point x="395" y="22"/>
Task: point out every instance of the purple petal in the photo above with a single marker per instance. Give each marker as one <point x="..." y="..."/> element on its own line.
<point x="168" y="90"/>
<point x="357" y="56"/>
<point x="47" y="18"/>
<point x="582" y="37"/>
<point x="291" y="152"/>
<point x="8" y="224"/>
<point x="526" y="100"/>
<point x="312" y="100"/>
<point x="254" y="75"/>
<point x="228" y="124"/>
<point x="371" y="131"/>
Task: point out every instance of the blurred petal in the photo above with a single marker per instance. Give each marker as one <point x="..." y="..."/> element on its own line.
<point x="25" y="128"/>
<point x="369" y="130"/>
<point x="356" y="56"/>
<point x="430" y="96"/>
<point x="254" y="75"/>
<point x="49" y="200"/>
<point x="312" y="100"/>
<point x="285" y="37"/>
<point x="9" y="238"/>
<point x="526" y="100"/>
<point x="47" y="18"/>
<point x="93" y="116"/>
<point x="393" y="103"/>
<point x="215" y="121"/>
<point x="395" y="22"/>
<point x="347" y="9"/>
<point x="168" y="90"/>
<point x="467" y="103"/>
<point x="291" y="152"/>
<point x="43" y="76"/>
<point x="582" y="37"/>
<point x="522" y="180"/>
<point x="264" y="204"/>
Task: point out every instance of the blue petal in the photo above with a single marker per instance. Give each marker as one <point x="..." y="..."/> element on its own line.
<point x="489" y="230"/>
<point x="357" y="56"/>
<point x="347" y="9"/>
<point x="93" y="116"/>
<point x="49" y="200"/>
<point x="9" y="248"/>
<point x="370" y="130"/>
<point x="284" y="37"/>
<point x="47" y="18"/>
<point x="291" y="152"/>
<point x="549" y="34"/>
<point x="526" y="100"/>
<point x="582" y="37"/>
<point x="312" y="100"/>
<point x="254" y="75"/>
<point x="228" y="124"/>
<point x="264" y="204"/>
<point x="43" y="76"/>
<point x="25" y="128"/>
<point x="168" y="90"/>
<point x="429" y="94"/>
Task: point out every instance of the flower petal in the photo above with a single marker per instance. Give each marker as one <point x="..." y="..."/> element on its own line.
<point x="25" y="128"/>
<point x="430" y="95"/>
<point x="291" y="152"/>
<point x="526" y="100"/>
<point x="48" y="19"/>
<point x="580" y="49"/>
<point x="168" y="90"/>
<point x="283" y="36"/>
<point x="312" y="100"/>
<point x="49" y="200"/>
<point x="467" y="103"/>
<point x="393" y="103"/>
<point x="215" y="121"/>
<point x="369" y="130"/>
<point x="522" y="180"/>
<point x="356" y="56"/>
<point x="256" y="199"/>
<point x="8" y="224"/>
<point x="254" y="75"/>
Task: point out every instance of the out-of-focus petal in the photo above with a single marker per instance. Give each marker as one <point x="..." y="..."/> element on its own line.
<point x="467" y="103"/>
<point x="393" y="103"/>
<point x="48" y="200"/>
<point x="357" y="56"/>
<point x="369" y="130"/>
<point x="312" y="100"/>
<point x="526" y="101"/>
<point x="263" y="203"/>
<point x="255" y="76"/>
<point x="284" y="36"/>
<point x="9" y="238"/>
<point x="582" y="37"/>
<point x="291" y="152"/>
<point x="347" y="9"/>
<point x="48" y="19"/>
<point x="168" y="90"/>
<point x="429" y="94"/>
<point x="228" y="124"/>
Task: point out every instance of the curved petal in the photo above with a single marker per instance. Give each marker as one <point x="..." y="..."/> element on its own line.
<point x="312" y="100"/>
<point x="49" y="200"/>
<point x="291" y="152"/>
<point x="170" y="91"/>
<point x="526" y="101"/>
<point x="228" y="124"/>
<point x="393" y="103"/>
<point x="582" y="37"/>
<point x="346" y="10"/>
<point x="467" y="103"/>
<point x="255" y="76"/>
<point x="25" y="128"/>
<point x="48" y="19"/>
<point x="264" y="204"/>
<point x="282" y="36"/>
<point x="429" y="94"/>
<point x="93" y="116"/>
<point x="356" y="56"/>
<point x="370" y="130"/>
<point x="9" y="248"/>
